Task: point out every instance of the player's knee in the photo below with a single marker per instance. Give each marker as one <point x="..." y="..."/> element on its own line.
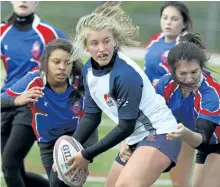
<point x="10" y="163"/>
<point x="9" y="172"/>
<point x="10" y="166"/>
<point x="124" y="183"/>
<point x="121" y="184"/>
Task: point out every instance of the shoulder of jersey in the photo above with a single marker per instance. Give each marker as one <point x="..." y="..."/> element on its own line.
<point x="211" y="83"/>
<point x="4" y="26"/>
<point x="166" y="79"/>
<point x="48" y="31"/>
<point x="47" y="24"/>
<point x="34" y="73"/>
<point x="87" y="65"/>
<point x="154" y="38"/>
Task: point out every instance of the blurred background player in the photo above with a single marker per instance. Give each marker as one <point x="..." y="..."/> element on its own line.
<point x="193" y="96"/>
<point x="174" y="19"/>
<point x="23" y="39"/>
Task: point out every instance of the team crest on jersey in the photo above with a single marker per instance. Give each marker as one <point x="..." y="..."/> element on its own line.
<point x="164" y="62"/>
<point x="164" y="56"/>
<point x="151" y="138"/>
<point x="35" y="51"/>
<point x="108" y="99"/>
<point x="76" y="107"/>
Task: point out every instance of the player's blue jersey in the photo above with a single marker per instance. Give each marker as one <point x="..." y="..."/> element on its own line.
<point x="122" y="91"/>
<point x="53" y="114"/>
<point x="155" y="61"/>
<point x="21" y="50"/>
<point x="204" y="103"/>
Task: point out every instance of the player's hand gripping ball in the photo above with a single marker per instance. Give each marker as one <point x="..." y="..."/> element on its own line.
<point x="64" y="149"/>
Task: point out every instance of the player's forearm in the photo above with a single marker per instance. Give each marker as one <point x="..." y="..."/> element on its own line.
<point x="114" y="137"/>
<point x="7" y="102"/>
<point x="87" y="126"/>
<point x="201" y="138"/>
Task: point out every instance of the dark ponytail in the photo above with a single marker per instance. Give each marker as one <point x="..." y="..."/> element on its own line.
<point x="11" y="19"/>
<point x="189" y="48"/>
<point x="78" y="88"/>
<point x="194" y="38"/>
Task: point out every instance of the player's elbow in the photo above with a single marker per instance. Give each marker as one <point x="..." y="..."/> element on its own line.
<point x="127" y="126"/>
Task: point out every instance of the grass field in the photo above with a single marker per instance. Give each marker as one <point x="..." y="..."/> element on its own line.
<point x="102" y="163"/>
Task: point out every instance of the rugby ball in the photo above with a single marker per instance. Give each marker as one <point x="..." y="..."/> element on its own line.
<point x="64" y="148"/>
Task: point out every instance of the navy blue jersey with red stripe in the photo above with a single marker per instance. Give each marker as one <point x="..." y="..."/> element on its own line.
<point x="155" y="61"/>
<point x="53" y="114"/>
<point x="204" y="103"/>
<point x="21" y="50"/>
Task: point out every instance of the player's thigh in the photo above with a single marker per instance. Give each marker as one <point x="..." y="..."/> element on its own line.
<point x="7" y="117"/>
<point x="198" y="174"/>
<point x="153" y="155"/>
<point x="18" y="145"/>
<point x="113" y="174"/>
<point x="116" y="168"/>
<point x="22" y="135"/>
<point x="212" y="166"/>
<point x="182" y="172"/>
<point x="145" y="161"/>
<point x="23" y="116"/>
<point x="46" y="153"/>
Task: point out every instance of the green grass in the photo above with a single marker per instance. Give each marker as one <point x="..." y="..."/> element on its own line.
<point x="215" y="69"/>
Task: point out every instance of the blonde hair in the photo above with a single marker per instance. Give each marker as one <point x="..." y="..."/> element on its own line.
<point x="109" y="16"/>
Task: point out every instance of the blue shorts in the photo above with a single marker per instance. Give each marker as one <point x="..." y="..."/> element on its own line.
<point x="171" y="148"/>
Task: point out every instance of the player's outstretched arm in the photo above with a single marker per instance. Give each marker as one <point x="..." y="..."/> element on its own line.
<point x="199" y="139"/>
<point x="194" y="139"/>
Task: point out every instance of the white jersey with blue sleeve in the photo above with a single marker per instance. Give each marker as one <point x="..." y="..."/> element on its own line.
<point x="125" y="92"/>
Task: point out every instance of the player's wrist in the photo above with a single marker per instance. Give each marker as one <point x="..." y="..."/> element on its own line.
<point x="185" y="134"/>
<point x="86" y="155"/>
<point x="15" y="101"/>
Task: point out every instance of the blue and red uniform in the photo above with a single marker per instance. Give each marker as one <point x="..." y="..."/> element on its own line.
<point x="53" y="114"/>
<point x="22" y="49"/>
<point x="204" y="103"/>
<point x="155" y="61"/>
